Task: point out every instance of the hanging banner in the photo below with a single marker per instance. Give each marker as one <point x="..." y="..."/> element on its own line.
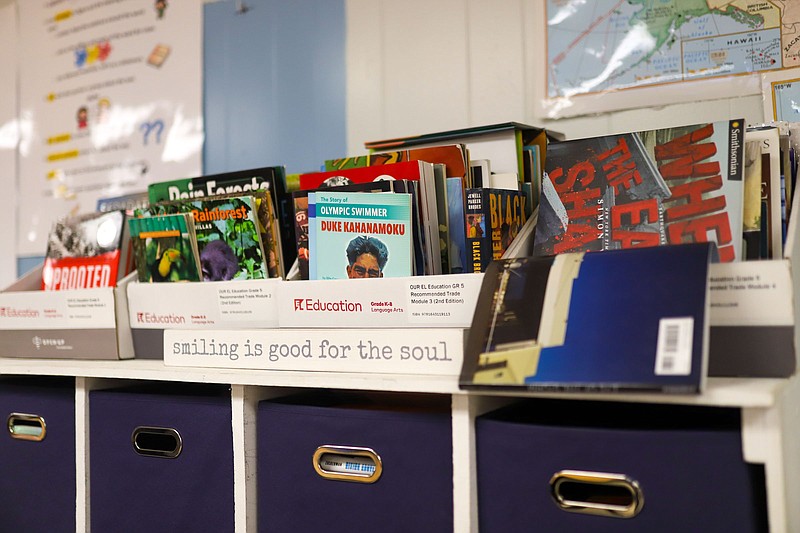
<point x="110" y="101"/>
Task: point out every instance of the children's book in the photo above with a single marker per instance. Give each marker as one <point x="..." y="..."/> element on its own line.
<point x="360" y="235"/>
<point x="419" y="171"/>
<point x="240" y="182"/>
<point x="165" y="248"/>
<point x="300" y="201"/>
<point x="86" y="251"/>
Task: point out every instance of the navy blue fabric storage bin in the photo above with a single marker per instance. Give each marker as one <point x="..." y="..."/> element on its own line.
<point x="140" y="490"/>
<point x="687" y="461"/>
<point x="37" y="477"/>
<point x="414" y="443"/>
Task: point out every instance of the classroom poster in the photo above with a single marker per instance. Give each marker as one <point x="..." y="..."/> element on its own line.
<point x="110" y="101"/>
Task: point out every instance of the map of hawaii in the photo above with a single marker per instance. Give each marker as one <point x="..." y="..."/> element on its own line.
<point x="614" y="44"/>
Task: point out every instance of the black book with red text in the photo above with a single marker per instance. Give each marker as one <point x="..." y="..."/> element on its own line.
<point x="649" y="188"/>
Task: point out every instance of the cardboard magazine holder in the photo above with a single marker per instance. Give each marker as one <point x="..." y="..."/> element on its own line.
<point x="70" y="324"/>
<point x="443" y="301"/>
<point x="754" y="309"/>
<point x="209" y="305"/>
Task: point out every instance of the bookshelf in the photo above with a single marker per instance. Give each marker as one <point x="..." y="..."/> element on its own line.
<point x="770" y="422"/>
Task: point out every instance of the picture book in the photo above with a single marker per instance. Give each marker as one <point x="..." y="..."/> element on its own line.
<point x="166" y="248"/>
<point x="241" y="182"/>
<point x="300" y="202"/>
<point x="228" y="239"/>
<point x="258" y="207"/>
<point x="668" y="186"/>
<point x="630" y="319"/>
<point x="360" y="235"/>
<point x="420" y="171"/>
<point x="493" y="219"/>
<point x="86" y="251"/>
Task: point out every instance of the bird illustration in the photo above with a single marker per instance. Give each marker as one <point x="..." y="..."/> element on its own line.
<point x="163" y="266"/>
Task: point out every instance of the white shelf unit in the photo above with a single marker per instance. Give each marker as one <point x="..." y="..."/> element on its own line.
<point x="770" y="422"/>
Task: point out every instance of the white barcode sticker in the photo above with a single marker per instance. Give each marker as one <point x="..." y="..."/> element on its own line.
<point x="674" y="351"/>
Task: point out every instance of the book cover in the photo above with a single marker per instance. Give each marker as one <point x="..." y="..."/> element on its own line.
<point x="751" y="217"/>
<point x="493" y="219"/>
<point x="420" y="171"/>
<point x="85" y="252"/>
<point x="228" y="218"/>
<point x="624" y="320"/>
<point x="453" y="156"/>
<point x="649" y="188"/>
<point x="300" y="203"/>
<point x="166" y="248"/>
<point x="241" y="182"/>
<point x="771" y="223"/>
<point x="228" y="239"/>
<point x="360" y="235"/>
<point x="457" y="226"/>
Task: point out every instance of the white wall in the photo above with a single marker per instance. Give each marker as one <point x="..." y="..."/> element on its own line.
<point x="8" y="140"/>
<point x="420" y="66"/>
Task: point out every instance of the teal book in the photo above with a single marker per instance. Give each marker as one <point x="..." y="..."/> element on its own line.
<point x="360" y="235"/>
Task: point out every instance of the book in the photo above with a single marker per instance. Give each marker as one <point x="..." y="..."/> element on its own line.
<point x="360" y="235"/>
<point x="623" y="320"/>
<point x="419" y="171"/>
<point x="258" y="256"/>
<point x="500" y="143"/>
<point x="241" y="182"/>
<point x="493" y="219"/>
<point x="166" y="248"/>
<point x="453" y="156"/>
<point x="300" y="203"/>
<point x="751" y="218"/>
<point x="457" y="226"/>
<point x="86" y="251"/>
<point x="771" y="224"/>
<point x="648" y="188"/>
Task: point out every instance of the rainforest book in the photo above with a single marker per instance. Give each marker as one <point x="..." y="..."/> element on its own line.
<point x="667" y="186"/>
<point x="165" y="248"/>
<point x="246" y="208"/>
<point x="359" y="235"/>
<point x="229" y="236"/>
<point x="630" y="319"/>
<point x="240" y="182"/>
<point x="86" y="251"/>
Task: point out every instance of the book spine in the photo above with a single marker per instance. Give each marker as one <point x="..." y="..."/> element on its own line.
<point x="477" y="228"/>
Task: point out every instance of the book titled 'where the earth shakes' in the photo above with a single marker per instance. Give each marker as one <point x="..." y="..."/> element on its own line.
<point x="666" y="186"/>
